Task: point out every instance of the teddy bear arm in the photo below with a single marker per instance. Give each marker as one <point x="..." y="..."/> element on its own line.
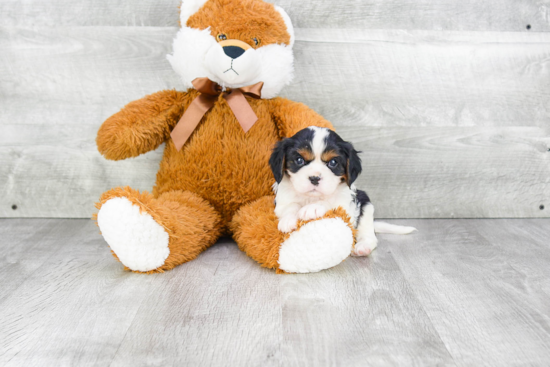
<point x="141" y="126"/>
<point x="292" y="117"/>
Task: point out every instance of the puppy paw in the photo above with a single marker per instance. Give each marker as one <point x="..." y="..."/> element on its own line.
<point x="365" y="246"/>
<point x="312" y="211"/>
<point x="288" y="223"/>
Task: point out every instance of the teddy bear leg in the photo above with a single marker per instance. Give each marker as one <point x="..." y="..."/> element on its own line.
<point x="316" y="245"/>
<point x="149" y="234"/>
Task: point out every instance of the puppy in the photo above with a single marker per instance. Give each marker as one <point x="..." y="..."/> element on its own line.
<point x="314" y="172"/>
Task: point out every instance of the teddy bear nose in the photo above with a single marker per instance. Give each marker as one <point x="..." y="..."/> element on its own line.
<point x="233" y="51"/>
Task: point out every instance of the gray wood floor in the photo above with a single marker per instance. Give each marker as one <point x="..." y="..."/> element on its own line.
<point x="458" y="292"/>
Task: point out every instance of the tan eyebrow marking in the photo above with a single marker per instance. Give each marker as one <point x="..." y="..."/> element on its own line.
<point x="306" y="154"/>
<point x="328" y="155"/>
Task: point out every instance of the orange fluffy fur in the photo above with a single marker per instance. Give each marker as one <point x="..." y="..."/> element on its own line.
<point x="262" y="21"/>
<point x="191" y="223"/>
<point x="220" y="182"/>
<point x="255" y="230"/>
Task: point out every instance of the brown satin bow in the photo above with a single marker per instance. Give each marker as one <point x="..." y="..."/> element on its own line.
<point x="209" y="94"/>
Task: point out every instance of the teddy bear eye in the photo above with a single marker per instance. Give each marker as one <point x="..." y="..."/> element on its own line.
<point x="256" y="41"/>
<point x="222" y="37"/>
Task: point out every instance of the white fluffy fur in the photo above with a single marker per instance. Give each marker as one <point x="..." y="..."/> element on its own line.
<point x="316" y="246"/>
<point x="196" y="53"/>
<point x="294" y="204"/>
<point x="318" y="145"/>
<point x="288" y="23"/>
<point x="228" y="71"/>
<point x="366" y="239"/>
<point x="276" y="69"/>
<point x="190" y="48"/>
<point x="383" y="227"/>
<point x="188" y="8"/>
<point x="139" y="242"/>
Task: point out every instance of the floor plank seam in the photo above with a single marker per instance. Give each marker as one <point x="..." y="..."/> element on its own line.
<point x="423" y="308"/>
<point x="126" y="332"/>
<point x="476" y="287"/>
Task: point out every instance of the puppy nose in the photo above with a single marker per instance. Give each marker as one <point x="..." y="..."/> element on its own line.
<point x="233" y="51"/>
<point x="315" y="180"/>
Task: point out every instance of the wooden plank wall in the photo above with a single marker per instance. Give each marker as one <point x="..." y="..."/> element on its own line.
<point x="449" y="100"/>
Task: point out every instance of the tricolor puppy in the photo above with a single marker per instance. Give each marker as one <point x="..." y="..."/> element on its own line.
<point x="315" y="170"/>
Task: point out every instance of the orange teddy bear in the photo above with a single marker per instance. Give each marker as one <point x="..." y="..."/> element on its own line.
<point x="234" y="56"/>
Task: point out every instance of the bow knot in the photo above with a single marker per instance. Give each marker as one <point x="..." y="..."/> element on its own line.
<point x="209" y="93"/>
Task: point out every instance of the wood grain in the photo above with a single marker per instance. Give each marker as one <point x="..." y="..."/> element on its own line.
<point x="489" y="15"/>
<point x="408" y="172"/>
<point x="84" y="74"/>
<point x="27" y="245"/>
<point x="231" y="312"/>
<point x="75" y="308"/>
<point x="456" y="293"/>
<point x="469" y="15"/>
<point x="63" y="175"/>
<point x="527" y="250"/>
<point x="454" y="172"/>
<point x="484" y="308"/>
<point x="80" y="308"/>
<point x="360" y="313"/>
<point x="435" y="112"/>
<point x="352" y="77"/>
<point x="221" y="309"/>
<point x="406" y="78"/>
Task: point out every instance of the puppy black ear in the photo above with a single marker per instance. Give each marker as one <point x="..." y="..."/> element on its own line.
<point x="277" y="161"/>
<point x="353" y="165"/>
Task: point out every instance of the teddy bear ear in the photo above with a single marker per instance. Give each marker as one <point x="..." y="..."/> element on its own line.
<point x="188" y="8"/>
<point x="288" y="23"/>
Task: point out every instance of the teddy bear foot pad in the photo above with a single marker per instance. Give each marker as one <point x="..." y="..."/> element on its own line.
<point x="138" y="241"/>
<point x="318" y="245"/>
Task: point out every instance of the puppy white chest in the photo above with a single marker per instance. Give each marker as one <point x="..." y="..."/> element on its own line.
<point x="288" y="200"/>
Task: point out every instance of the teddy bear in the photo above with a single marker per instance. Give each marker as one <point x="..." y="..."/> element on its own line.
<point x="233" y="57"/>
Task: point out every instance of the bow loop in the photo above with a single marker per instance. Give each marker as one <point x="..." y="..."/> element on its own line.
<point x="207" y="86"/>
<point x="254" y="90"/>
<point x="205" y="101"/>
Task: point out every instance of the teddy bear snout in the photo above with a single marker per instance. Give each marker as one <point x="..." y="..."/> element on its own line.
<point x="233" y="51"/>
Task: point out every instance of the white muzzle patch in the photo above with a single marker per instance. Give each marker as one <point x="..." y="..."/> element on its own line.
<point x="232" y="71"/>
<point x="197" y="54"/>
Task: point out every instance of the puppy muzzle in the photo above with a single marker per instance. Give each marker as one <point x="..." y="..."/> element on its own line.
<point x="314" y="180"/>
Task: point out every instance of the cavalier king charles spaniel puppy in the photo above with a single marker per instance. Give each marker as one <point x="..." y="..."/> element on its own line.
<point x="314" y="172"/>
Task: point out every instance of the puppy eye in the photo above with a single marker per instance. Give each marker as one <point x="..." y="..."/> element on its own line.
<point x="332" y="163"/>
<point x="300" y="161"/>
<point x="222" y="37"/>
<point x="256" y="41"/>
